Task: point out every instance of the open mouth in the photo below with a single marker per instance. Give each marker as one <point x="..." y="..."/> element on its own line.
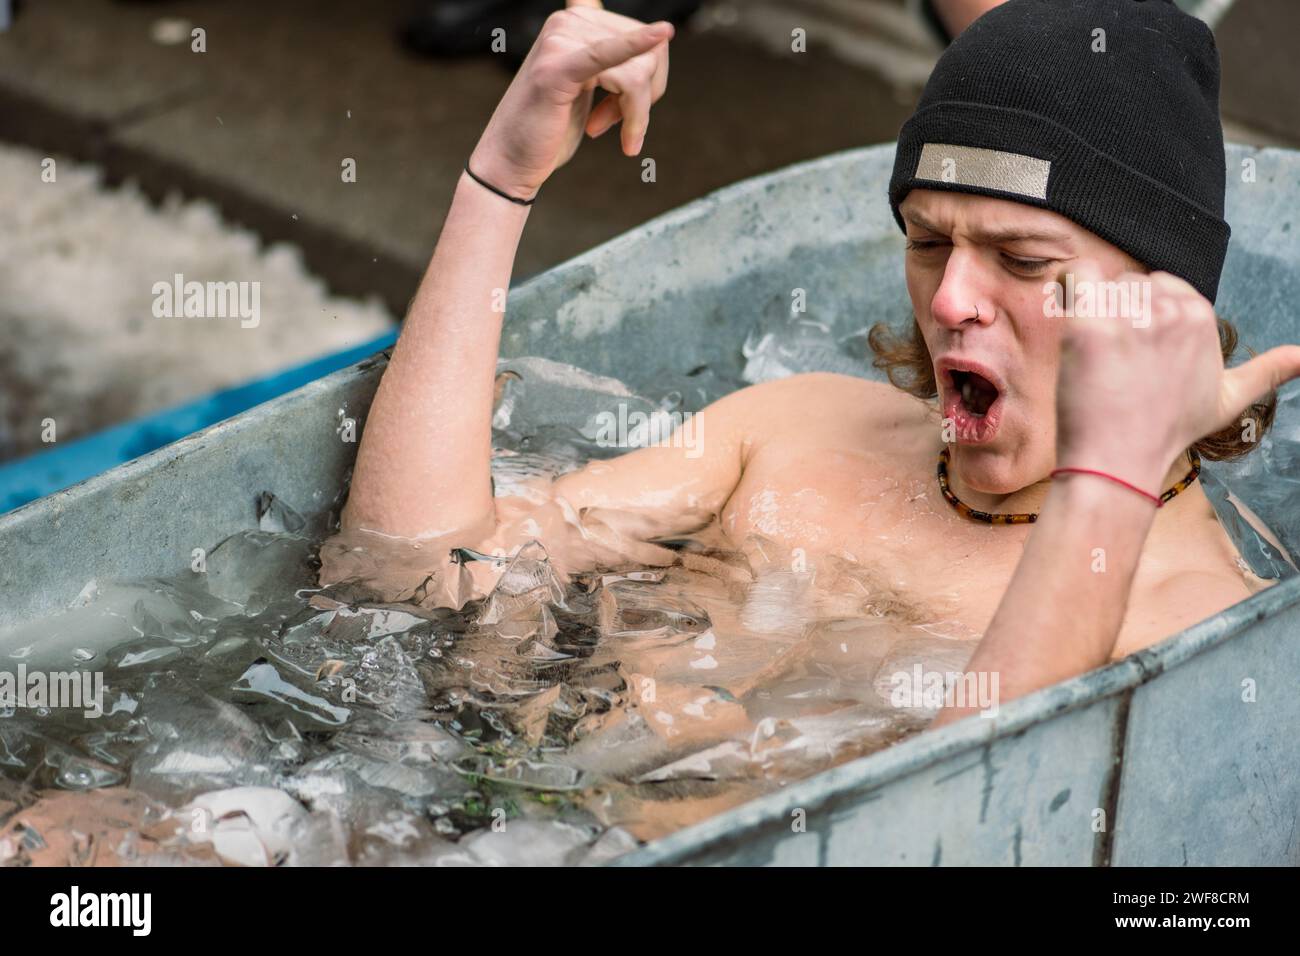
<point x="977" y="393"/>
<point x="973" y="398"/>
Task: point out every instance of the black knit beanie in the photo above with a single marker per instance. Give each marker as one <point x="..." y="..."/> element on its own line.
<point x="1105" y="111"/>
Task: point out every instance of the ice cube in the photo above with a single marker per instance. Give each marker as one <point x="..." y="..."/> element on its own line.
<point x="247" y="826"/>
<point x="254" y="568"/>
<point x="530" y="843"/>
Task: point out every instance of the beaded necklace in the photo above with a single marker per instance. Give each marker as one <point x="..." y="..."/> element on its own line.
<point x="1030" y="517"/>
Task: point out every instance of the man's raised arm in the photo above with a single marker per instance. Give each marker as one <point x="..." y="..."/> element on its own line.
<point x="423" y="466"/>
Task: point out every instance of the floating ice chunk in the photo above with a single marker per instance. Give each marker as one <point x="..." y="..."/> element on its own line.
<point x="73" y="771"/>
<point x="644" y="611"/>
<point x="544" y="393"/>
<point x="228" y="645"/>
<point x="253" y="568"/>
<point x="530" y="572"/>
<point x="403" y="779"/>
<point x="386" y="678"/>
<point x="407" y="741"/>
<point x="384" y="621"/>
<point x="788" y="747"/>
<point x="518" y="474"/>
<point x="778" y="602"/>
<point x="529" y="774"/>
<point x="248" y="826"/>
<point x="1261" y="558"/>
<point x="611" y="844"/>
<point x="531" y="715"/>
<point x="530" y="843"/>
<point x="15" y="742"/>
<point x="182" y="761"/>
<point x="398" y="829"/>
<point x="143" y="653"/>
<point x="528" y="587"/>
<point x="262" y="679"/>
<point x="797" y="346"/>
<point x="275" y="516"/>
<point x="197" y="742"/>
<point x="1267" y="482"/>
<point x="915" y="668"/>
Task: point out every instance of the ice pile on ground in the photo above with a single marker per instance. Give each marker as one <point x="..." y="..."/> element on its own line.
<point x="78" y="265"/>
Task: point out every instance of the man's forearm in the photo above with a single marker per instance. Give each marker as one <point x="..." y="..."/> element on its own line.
<point x="424" y="463"/>
<point x="1063" y="609"/>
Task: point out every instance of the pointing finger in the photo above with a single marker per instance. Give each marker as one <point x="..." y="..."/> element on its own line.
<point x="583" y="64"/>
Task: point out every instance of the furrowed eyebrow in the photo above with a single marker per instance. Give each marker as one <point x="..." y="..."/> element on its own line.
<point x="921" y="222"/>
<point x="993" y="236"/>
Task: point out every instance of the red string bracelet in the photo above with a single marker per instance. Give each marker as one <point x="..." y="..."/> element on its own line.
<point x="1102" y="474"/>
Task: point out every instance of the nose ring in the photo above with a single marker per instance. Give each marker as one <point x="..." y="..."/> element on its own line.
<point x="977" y="312"/>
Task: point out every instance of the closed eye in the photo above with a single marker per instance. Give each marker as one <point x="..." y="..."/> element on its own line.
<point x="1030" y="268"/>
<point x="1019" y="265"/>
<point x="923" y="245"/>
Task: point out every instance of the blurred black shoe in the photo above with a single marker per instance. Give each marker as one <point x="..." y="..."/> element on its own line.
<point x="464" y="27"/>
<point x="449" y="28"/>
<point x="930" y="17"/>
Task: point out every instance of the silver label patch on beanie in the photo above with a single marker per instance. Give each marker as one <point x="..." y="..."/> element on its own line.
<point x="985" y="168"/>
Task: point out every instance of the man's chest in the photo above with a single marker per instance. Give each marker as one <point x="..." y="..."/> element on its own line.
<point x="902" y="541"/>
<point x="909" y="552"/>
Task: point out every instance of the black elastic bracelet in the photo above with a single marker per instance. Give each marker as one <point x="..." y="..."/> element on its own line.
<point x="487" y="185"/>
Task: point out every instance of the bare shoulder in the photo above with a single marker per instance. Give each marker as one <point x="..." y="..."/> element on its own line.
<point x="1174" y="603"/>
<point x="1189" y="571"/>
<point x="819" y="398"/>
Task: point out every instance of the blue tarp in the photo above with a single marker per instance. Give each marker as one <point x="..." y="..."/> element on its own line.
<point x="62" y="465"/>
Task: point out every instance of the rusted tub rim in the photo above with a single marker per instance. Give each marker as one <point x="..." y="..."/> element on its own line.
<point x="928" y="748"/>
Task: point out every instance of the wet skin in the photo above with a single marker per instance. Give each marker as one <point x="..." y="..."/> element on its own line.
<point x="807" y="459"/>
<point x="832" y="464"/>
<point x="854" y="471"/>
<point x="835" y="464"/>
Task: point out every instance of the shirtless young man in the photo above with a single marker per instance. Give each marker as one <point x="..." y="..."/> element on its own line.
<point x="836" y="464"/>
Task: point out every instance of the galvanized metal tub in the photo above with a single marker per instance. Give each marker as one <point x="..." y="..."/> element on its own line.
<point x="1163" y="758"/>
